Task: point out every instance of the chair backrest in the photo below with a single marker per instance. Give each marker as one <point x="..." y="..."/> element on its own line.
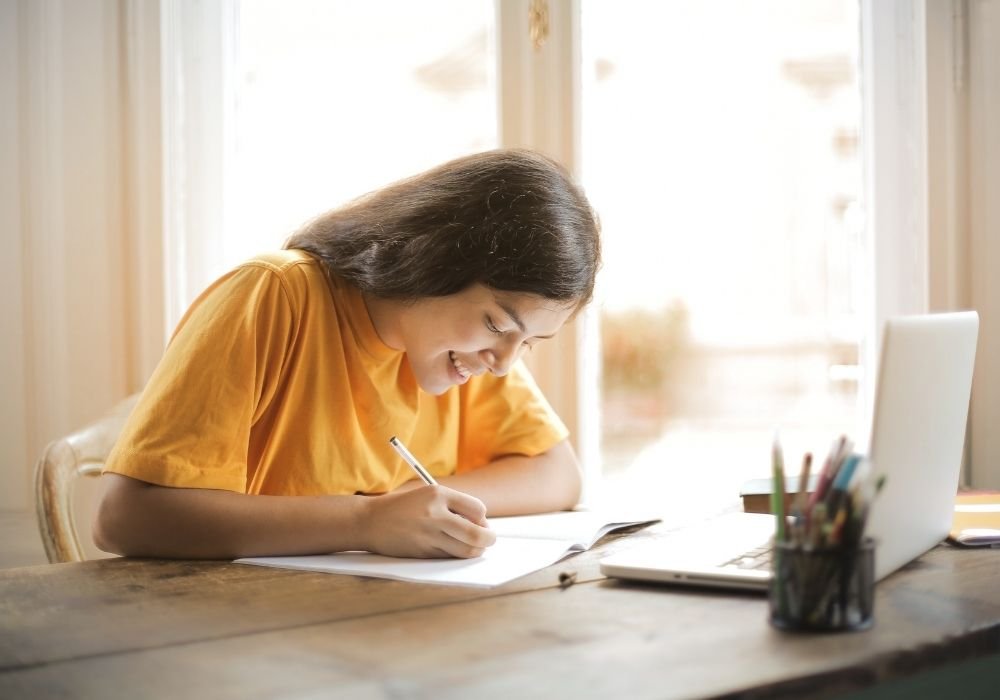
<point x="65" y="460"/>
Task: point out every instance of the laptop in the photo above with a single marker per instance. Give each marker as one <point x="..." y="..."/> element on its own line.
<point x="918" y="433"/>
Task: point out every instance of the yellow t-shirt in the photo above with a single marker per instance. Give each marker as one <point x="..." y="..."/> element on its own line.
<point x="275" y="382"/>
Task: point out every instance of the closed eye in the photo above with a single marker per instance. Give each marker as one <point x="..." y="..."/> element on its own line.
<point x="492" y="328"/>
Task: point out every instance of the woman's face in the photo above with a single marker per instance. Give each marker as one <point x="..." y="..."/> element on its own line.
<point x="450" y="339"/>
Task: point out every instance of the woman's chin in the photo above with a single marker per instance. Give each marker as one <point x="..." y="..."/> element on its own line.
<point x="437" y="383"/>
<point x="435" y="387"/>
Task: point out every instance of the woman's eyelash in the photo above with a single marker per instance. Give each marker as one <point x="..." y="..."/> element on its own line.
<point x="491" y="328"/>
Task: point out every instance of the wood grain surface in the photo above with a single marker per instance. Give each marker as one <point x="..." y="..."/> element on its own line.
<point x="131" y="628"/>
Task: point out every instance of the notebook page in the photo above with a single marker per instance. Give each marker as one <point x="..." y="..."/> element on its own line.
<point x="506" y="560"/>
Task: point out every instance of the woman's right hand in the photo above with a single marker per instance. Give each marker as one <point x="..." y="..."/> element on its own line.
<point x="426" y="522"/>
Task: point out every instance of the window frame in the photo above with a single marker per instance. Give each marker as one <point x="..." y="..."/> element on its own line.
<point x="929" y="71"/>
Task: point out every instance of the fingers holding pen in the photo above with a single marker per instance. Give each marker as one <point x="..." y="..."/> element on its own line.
<point x="430" y="521"/>
<point x="469" y="507"/>
<point x="464" y="524"/>
<point x="460" y="519"/>
<point x="469" y="529"/>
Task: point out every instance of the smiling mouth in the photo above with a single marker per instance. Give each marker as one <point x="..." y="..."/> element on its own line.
<point x="463" y="371"/>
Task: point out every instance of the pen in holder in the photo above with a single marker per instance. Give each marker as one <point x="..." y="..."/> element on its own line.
<point x="823" y="567"/>
<point x="823" y="589"/>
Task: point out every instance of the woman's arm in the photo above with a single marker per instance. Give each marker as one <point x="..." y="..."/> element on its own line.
<point x="136" y="518"/>
<point x="519" y="485"/>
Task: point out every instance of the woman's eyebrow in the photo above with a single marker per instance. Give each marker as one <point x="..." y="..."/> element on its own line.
<point x="510" y="311"/>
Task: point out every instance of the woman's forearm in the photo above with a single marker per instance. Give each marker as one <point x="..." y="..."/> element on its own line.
<point x="136" y="518"/>
<point x="140" y="519"/>
<point x="518" y="485"/>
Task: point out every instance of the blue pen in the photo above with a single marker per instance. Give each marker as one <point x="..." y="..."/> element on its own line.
<point x="843" y="478"/>
<point x="840" y="483"/>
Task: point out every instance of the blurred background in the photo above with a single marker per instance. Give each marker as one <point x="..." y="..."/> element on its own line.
<point x="728" y="147"/>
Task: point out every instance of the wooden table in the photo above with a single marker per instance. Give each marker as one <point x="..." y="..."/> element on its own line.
<point x="179" y="629"/>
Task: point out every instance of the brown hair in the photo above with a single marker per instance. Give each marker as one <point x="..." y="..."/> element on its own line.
<point x="510" y="219"/>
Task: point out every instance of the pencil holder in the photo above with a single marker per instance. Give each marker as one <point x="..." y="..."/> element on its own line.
<point x="823" y="589"/>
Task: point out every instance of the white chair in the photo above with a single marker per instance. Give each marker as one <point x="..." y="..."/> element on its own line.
<point x="82" y="453"/>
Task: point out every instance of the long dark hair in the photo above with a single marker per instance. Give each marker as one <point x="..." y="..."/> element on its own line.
<point x="510" y="219"/>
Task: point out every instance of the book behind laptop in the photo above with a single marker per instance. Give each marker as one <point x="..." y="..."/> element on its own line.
<point x="756" y="493"/>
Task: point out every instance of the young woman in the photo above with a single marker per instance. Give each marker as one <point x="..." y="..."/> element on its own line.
<point x="265" y="428"/>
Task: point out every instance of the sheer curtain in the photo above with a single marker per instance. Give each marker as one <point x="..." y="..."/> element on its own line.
<point x="279" y="111"/>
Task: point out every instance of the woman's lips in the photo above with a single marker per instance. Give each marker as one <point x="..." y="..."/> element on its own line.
<point x="461" y="370"/>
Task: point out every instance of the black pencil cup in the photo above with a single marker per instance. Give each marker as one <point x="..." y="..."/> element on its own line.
<point x="827" y="589"/>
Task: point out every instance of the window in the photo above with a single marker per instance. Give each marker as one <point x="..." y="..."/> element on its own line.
<point x="723" y="157"/>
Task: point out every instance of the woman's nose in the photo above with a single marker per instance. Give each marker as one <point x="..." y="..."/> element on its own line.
<point x="499" y="360"/>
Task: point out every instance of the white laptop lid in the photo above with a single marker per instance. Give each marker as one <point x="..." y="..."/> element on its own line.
<point x="918" y="433"/>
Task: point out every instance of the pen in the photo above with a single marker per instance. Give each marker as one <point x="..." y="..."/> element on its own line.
<point x="817" y="523"/>
<point x="799" y="501"/>
<point x="829" y="467"/>
<point x="868" y="492"/>
<point x="778" y="508"/>
<point x="838" y="490"/>
<point x="802" y="497"/>
<point x="842" y="478"/>
<point x="839" y="520"/>
<point x="412" y="461"/>
<point x="778" y="490"/>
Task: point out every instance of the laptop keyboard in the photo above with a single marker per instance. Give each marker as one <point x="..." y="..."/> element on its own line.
<point x="756" y="558"/>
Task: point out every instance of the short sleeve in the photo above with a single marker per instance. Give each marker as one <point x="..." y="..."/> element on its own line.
<point x="505" y="416"/>
<point x="191" y="426"/>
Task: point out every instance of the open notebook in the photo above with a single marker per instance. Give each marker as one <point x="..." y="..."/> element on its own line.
<point x="524" y="544"/>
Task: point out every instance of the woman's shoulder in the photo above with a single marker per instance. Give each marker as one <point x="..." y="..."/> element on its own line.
<point x="297" y="272"/>
<point x="283" y="261"/>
